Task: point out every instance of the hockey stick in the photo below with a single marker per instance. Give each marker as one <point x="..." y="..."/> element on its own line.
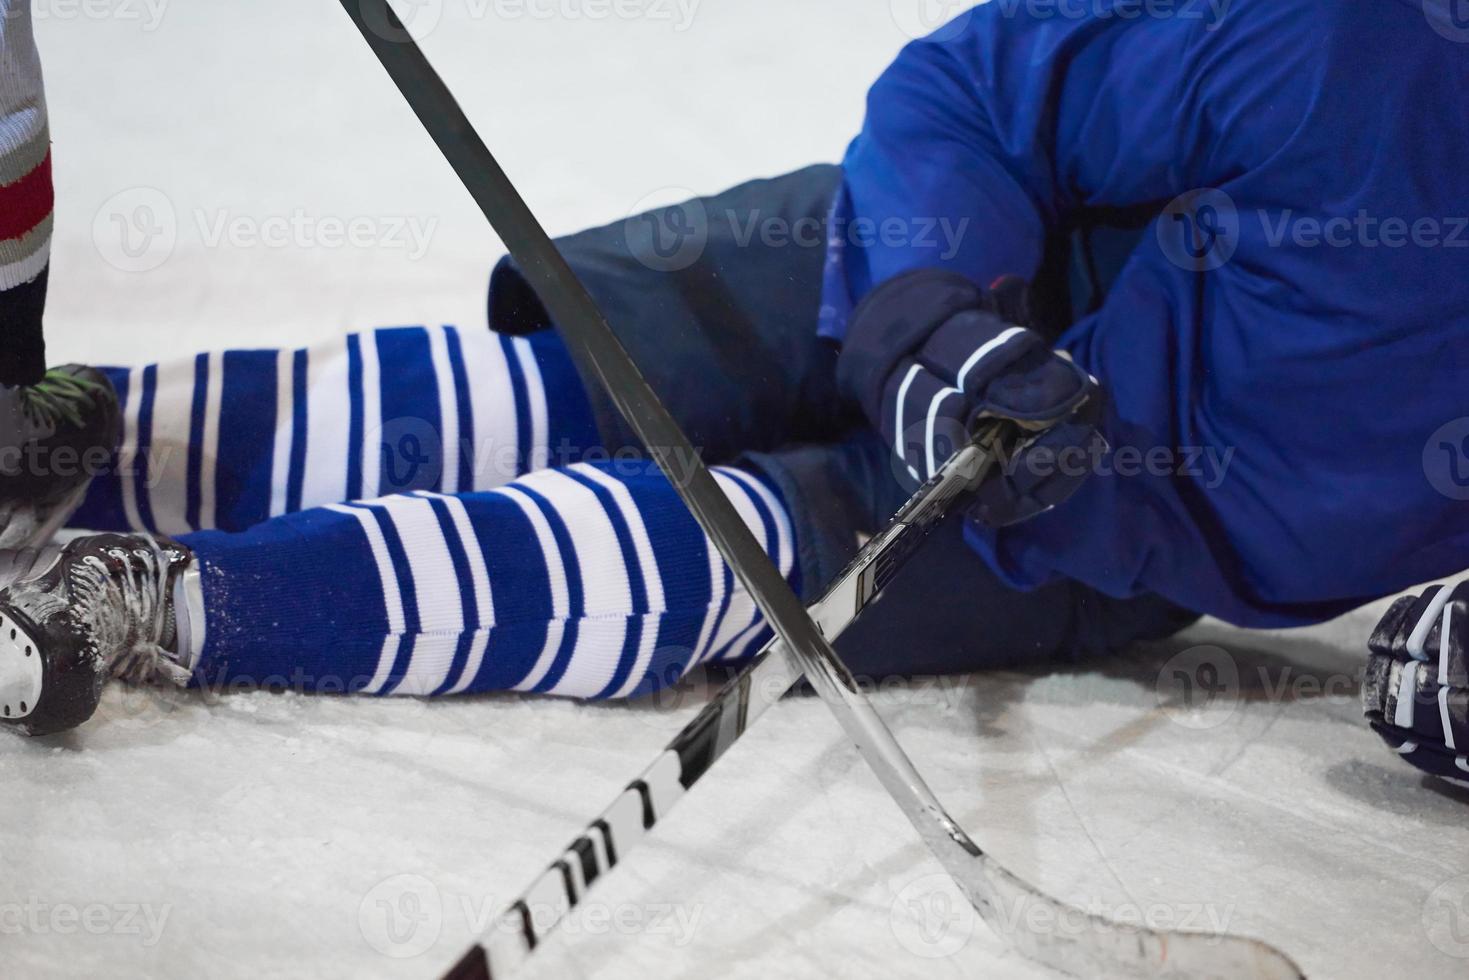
<point x="995" y="893"/>
<point x="738" y="705"/>
<point x="608" y="839"/>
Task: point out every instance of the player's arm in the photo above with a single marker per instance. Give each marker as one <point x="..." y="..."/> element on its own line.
<point x="977" y="143"/>
<point x="25" y="199"/>
<point x="1003" y="126"/>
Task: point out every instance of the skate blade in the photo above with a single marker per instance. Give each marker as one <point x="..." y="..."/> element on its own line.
<point x="20" y="671"/>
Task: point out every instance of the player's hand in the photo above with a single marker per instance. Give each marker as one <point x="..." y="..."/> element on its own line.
<point x="929" y="354"/>
<point x="1416" y="692"/>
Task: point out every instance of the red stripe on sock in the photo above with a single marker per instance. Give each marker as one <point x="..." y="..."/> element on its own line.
<point x="25" y="203"/>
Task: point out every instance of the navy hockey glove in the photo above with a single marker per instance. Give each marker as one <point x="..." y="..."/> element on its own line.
<point x="929" y="354"/>
<point x="1416" y="692"/>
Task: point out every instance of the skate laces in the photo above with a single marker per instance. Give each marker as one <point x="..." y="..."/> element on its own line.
<point x="59" y="396"/>
<point x="143" y="595"/>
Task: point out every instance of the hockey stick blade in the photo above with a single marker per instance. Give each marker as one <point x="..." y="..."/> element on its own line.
<point x="597" y="349"/>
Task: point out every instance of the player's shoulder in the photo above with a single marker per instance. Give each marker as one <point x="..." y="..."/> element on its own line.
<point x="1271" y="83"/>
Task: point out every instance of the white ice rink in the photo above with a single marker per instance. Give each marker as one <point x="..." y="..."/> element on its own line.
<point x="181" y="836"/>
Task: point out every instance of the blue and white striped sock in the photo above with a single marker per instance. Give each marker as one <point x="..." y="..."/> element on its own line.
<point x="590" y="581"/>
<point x="227" y="440"/>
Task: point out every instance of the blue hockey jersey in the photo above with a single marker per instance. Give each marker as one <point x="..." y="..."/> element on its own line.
<point x="1286" y="351"/>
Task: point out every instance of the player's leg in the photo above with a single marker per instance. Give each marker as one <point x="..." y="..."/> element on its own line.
<point x="57" y="427"/>
<point x="720" y="325"/>
<point x="227" y="440"/>
<point x="591" y="581"/>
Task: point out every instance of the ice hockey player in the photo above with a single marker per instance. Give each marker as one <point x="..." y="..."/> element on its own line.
<point x="58" y="427"/>
<point x="1243" y="221"/>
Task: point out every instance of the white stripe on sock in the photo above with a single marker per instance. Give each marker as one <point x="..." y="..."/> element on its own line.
<point x="742" y="609"/>
<point x="492" y="407"/>
<point x="280" y="465"/>
<point x="372" y="414"/>
<point x="556" y="572"/>
<point x="438" y="347"/>
<point x="168" y="458"/>
<point x="555" y="630"/>
<point x="716" y="600"/>
<point x="328" y="415"/>
<point x="784" y="536"/>
<point x="535" y="389"/>
<point x="435" y="589"/>
<point x="647" y="563"/>
<point x="606" y="589"/>
<point x="127" y="454"/>
<point x="642" y="543"/>
<point x="386" y="657"/>
<point x="480" y="581"/>
<point x="647" y="645"/>
<point x="388" y="584"/>
<point x="209" y="458"/>
<point x="737" y="648"/>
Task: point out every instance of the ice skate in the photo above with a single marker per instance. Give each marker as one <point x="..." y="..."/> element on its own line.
<point x="104" y="608"/>
<point x="55" y="436"/>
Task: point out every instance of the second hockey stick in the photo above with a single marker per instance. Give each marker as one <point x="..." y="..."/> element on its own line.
<point x="996" y="894"/>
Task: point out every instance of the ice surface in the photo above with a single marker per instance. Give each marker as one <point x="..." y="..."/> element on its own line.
<point x="263" y="835"/>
